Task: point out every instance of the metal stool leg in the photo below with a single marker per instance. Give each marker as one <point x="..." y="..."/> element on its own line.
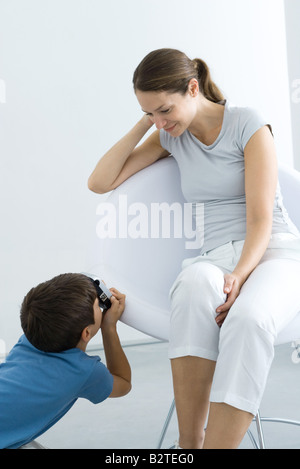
<point x="260" y="444"/>
<point x="166" y="425"/>
<point x="257" y="419"/>
<point x="261" y="439"/>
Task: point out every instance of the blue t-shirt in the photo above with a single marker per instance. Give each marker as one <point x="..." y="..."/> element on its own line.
<point x="38" y="388"/>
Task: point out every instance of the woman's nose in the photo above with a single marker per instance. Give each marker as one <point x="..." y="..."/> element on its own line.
<point x="159" y="123"/>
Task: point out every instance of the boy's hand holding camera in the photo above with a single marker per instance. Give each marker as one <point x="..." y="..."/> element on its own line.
<point x="113" y="314"/>
<point x="116" y="360"/>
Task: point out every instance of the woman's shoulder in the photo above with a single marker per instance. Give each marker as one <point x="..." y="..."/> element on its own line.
<point x="243" y="113"/>
<point x="247" y="120"/>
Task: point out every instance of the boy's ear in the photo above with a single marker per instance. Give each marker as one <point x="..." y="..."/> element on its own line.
<point x="86" y="334"/>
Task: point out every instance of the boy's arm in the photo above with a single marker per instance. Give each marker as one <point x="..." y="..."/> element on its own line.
<point x="116" y="360"/>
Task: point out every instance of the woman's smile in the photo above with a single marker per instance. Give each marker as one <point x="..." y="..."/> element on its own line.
<point x="170" y="129"/>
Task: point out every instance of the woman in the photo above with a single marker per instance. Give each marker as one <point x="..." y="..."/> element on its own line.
<point x="246" y="276"/>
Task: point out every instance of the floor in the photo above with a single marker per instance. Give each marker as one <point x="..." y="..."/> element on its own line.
<point x="135" y="421"/>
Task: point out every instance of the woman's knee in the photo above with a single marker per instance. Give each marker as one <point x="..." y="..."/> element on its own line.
<point x="246" y="343"/>
<point x="195" y="296"/>
<point x="201" y="283"/>
<point x="249" y="320"/>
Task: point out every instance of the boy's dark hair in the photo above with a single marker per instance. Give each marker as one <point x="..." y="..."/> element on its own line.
<point x="55" y="312"/>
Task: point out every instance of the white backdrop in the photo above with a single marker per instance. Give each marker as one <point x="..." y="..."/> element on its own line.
<point x="292" y="16"/>
<point x="66" y="96"/>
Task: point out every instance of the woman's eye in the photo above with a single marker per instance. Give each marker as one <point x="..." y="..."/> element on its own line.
<point x="164" y="111"/>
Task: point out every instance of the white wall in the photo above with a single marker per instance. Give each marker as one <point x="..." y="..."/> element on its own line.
<point x="66" y="68"/>
<point x="292" y="16"/>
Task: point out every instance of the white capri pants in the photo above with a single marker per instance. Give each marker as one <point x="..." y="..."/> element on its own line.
<point x="243" y="347"/>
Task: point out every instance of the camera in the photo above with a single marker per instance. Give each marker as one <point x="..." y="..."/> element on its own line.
<point x="103" y="292"/>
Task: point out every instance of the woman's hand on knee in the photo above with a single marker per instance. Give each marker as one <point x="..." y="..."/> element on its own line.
<point x="232" y="286"/>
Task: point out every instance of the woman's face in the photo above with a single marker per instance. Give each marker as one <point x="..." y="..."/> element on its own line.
<point x="172" y="112"/>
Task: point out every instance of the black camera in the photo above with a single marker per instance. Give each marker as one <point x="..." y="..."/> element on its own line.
<point x="103" y="292"/>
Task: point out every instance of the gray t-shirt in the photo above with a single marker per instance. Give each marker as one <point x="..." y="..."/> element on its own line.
<point x="213" y="176"/>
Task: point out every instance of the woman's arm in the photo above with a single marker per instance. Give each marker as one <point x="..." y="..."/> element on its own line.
<point x="124" y="159"/>
<point x="260" y="188"/>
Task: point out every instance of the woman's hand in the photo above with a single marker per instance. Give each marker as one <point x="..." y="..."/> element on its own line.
<point x="232" y="287"/>
<point x="146" y="121"/>
<point x="126" y="158"/>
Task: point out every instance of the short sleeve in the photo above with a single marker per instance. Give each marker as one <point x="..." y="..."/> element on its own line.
<point x="99" y="385"/>
<point x="250" y="122"/>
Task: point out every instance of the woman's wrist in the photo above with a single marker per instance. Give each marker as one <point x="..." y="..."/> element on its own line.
<point x="240" y="275"/>
<point x="145" y="123"/>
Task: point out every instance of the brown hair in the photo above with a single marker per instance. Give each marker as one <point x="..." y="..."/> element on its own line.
<point x="54" y="313"/>
<point x="171" y="70"/>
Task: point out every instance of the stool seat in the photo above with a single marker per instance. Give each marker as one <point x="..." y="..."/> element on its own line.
<point x="145" y="267"/>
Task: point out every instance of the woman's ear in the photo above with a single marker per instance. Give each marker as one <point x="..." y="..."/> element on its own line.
<point x="193" y="88"/>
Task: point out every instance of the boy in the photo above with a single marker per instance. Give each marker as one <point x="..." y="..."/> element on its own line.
<point x="48" y="369"/>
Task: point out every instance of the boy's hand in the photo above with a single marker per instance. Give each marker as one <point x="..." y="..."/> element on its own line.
<point x="113" y="314"/>
<point x="116" y="360"/>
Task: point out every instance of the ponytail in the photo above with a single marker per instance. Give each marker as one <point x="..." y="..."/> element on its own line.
<point x="171" y="70"/>
<point x="207" y="87"/>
